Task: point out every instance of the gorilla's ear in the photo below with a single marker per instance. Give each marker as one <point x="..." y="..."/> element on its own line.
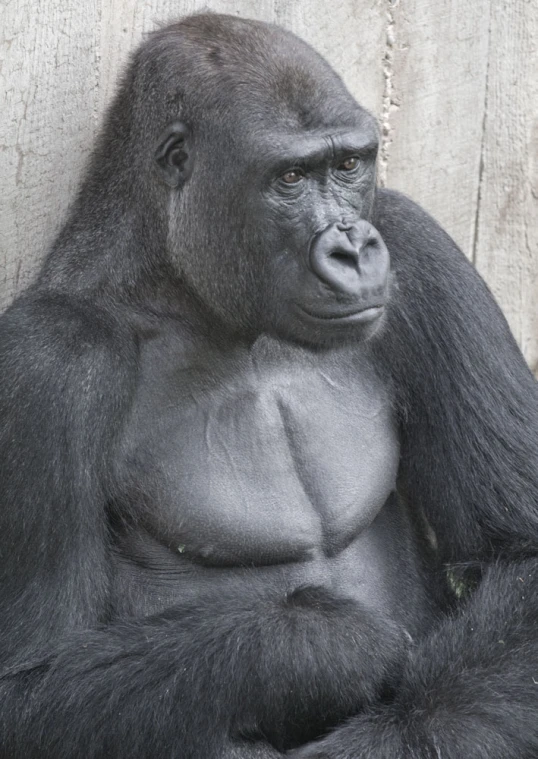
<point x="174" y="154"/>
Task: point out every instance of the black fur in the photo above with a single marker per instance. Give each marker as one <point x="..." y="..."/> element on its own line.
<point x="248" y="669"/>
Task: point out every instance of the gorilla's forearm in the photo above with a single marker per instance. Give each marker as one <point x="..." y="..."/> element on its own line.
<point x="468" y="690"/>
<point x="203" y="675"/>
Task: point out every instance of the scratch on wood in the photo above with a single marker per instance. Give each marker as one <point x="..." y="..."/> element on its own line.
<point x="476" y="231"/>
<point x="18" y="273"/>
<point x="20" y="164"/>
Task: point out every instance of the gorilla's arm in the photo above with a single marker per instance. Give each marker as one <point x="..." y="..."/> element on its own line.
<point x="469" y="426"/>
<point x="468" y="402"/>
<point x="66" y="378"/>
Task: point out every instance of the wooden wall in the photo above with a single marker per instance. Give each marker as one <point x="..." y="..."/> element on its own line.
<point x="453" y="82"/>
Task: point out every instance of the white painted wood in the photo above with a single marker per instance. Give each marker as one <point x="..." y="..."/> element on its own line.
<point x="48" y="91"/>
<point x="507" y="233"/>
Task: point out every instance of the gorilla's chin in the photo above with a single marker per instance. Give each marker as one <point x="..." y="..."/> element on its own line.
<point x="328" y="328"/>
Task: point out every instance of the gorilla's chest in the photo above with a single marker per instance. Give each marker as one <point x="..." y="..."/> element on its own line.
<point x="269" y="457"/>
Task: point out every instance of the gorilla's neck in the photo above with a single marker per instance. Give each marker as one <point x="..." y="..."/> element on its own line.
<point x="109" y="245"/>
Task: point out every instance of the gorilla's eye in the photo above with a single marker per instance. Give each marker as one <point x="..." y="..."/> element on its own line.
<point x="349" y="164"/>
<point x="293" y="176"/>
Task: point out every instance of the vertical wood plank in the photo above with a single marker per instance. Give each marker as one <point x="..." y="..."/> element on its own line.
<point x="435" y="69"/>
<point x="48" y="79"/>
<point x="507" y="234"/>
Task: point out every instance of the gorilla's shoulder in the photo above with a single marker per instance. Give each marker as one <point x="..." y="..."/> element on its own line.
<point x="49" y="333"/>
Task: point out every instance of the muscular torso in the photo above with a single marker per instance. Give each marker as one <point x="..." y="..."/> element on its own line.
<point x="262" y="465"/>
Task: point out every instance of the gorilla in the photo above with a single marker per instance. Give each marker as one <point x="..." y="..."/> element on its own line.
<point x="268" y="453"/>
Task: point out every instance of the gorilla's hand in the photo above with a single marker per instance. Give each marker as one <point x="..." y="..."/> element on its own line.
<point x="466" y="691"/>
<point x="251" y="750"/>
<point x="363" y="737"/>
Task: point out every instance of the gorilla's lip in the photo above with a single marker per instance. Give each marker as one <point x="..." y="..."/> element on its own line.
<point x="360" y="316"/>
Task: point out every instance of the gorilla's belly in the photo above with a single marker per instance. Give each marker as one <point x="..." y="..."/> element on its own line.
<point x="274" y="463"/>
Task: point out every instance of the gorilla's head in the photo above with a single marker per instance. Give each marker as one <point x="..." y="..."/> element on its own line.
<point x="261" y="166"/>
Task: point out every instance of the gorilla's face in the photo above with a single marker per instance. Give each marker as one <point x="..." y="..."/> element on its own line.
<point x="272" y="195"/>
<point x="326" y="265"/>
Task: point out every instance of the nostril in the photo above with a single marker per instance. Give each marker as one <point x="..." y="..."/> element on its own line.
<point x="344" y="259"/>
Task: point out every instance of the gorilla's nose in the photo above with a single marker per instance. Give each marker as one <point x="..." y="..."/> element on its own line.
<point x="351" y="258"/>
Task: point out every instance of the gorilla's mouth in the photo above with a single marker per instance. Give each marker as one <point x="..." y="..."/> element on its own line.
<point x="360" y="316"/>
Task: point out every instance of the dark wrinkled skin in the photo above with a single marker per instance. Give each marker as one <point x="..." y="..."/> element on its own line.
<point x="244" y="393"/>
